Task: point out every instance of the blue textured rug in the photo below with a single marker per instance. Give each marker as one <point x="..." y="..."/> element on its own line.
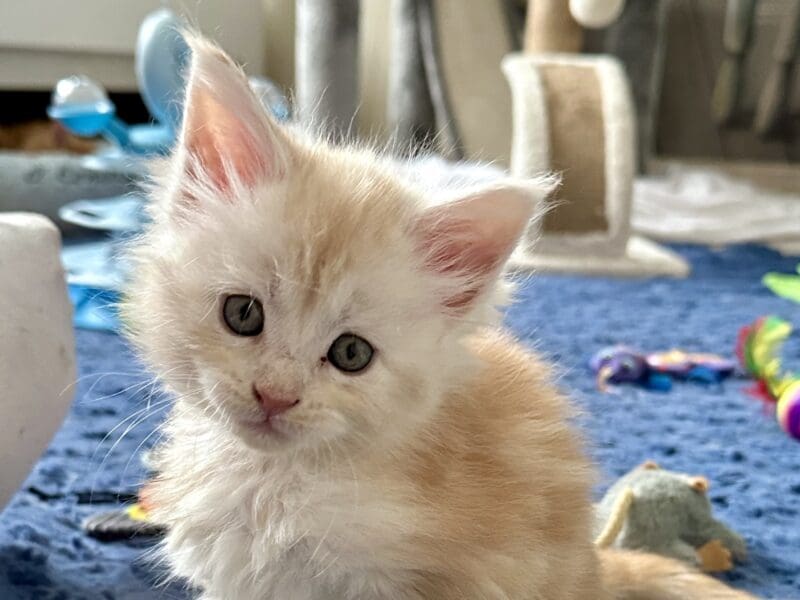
<point x="716" y="431"/>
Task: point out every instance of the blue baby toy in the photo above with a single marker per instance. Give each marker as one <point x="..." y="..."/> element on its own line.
<point x="82" y="106"/>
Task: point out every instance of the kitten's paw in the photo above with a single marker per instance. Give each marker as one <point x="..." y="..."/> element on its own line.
<point x="714" y="557"/>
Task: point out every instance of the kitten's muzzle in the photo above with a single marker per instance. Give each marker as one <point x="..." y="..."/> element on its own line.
<point x="273" y="403"/>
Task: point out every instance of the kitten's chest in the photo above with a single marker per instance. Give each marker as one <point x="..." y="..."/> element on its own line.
<point x="313" y="525"/>
<point x="306" y="536"/>
<point x="247" y="529"/>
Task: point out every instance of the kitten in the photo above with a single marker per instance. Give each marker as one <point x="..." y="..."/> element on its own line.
<point x="349" y="421"/>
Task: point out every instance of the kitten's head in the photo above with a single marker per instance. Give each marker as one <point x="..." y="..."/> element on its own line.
<point x="297" y="295"/>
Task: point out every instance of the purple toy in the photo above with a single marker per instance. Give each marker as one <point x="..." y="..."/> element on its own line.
<point x="656" y="371"/>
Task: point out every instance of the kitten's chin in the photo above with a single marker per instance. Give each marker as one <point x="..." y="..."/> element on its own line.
<point x="274" y="435"/>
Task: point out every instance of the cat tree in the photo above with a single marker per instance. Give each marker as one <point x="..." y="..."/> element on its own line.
<point x="326" y="48"/>
<point x="566" y="112"/>
<point x="573" y="115"/>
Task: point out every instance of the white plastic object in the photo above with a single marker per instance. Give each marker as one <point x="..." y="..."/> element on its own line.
<point x="78" y="90"/>
<point x="37" y="355"/>
<point x="596" y="14"/>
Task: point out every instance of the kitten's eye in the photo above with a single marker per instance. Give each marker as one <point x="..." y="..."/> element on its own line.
<point x="243" y="315"/>
<point x="350" y="353"/>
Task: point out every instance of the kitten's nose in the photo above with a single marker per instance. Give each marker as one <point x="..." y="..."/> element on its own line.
<point x="273" y="403"/>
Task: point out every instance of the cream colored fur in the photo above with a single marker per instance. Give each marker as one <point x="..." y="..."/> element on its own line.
<point x="446" y="470"/>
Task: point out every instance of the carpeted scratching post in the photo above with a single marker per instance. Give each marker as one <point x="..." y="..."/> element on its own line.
<point x="737" y="41"/>
<point x="409" y="109"/>
<point x="326" y="48"/>
<point x="573" y="115"/>
<point x="773" y="106"/>
<point x="549" y="27"/>
<point x="463" y="45"/>
<point x="638" y="40"/>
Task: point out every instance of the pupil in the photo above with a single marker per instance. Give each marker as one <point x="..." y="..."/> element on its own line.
<point x="351" y="351"/>
<point x="244" y="312"/>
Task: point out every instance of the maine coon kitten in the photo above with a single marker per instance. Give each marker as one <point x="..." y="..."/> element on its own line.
<point x="349" y="422"/>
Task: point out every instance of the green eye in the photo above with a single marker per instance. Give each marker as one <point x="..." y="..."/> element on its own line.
<point x="350" y="353"/>
<point x="243" y="315"/>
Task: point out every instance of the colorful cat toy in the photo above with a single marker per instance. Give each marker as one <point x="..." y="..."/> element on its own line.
<point x="784" y="285"/>
<point x="758" y="349"/>
<point x="657" y="371"/>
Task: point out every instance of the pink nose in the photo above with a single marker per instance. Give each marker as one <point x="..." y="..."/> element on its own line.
<point x="271" y="403"/>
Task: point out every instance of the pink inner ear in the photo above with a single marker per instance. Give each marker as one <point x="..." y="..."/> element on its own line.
<point x="471" y="238"/>
<point x="222" y="143"/>
<point x="455" y="250"/>
<point x="227" y="136"/>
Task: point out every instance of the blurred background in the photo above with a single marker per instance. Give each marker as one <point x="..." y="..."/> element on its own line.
<point x="673" y="125"/>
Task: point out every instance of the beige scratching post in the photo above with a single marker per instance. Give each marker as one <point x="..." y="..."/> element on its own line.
<point x="573" y="115"/>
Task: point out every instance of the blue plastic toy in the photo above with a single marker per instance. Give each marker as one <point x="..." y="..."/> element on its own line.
<point x="82" y="106"/>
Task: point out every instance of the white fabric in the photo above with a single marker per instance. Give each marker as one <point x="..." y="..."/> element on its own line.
<point x="37" y="356"/>
<point x="709" y="207"/>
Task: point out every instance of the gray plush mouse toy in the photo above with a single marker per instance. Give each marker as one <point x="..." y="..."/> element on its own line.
<point x="667" y="513"/>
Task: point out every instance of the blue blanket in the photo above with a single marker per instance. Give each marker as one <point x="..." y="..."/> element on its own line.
<point x="93" y="462"/>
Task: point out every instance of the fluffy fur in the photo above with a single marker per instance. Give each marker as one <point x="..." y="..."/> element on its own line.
<point x="446" y="470"/>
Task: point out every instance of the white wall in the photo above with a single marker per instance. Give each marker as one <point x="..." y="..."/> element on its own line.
<point x="44" y="40"/>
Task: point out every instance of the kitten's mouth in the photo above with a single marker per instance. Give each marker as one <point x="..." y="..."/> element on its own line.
<point x="274" y="426"/>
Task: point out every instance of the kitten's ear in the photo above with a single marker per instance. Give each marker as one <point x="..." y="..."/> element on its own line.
<point x="468" y="240"/>
<point x="227" y="136"/>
